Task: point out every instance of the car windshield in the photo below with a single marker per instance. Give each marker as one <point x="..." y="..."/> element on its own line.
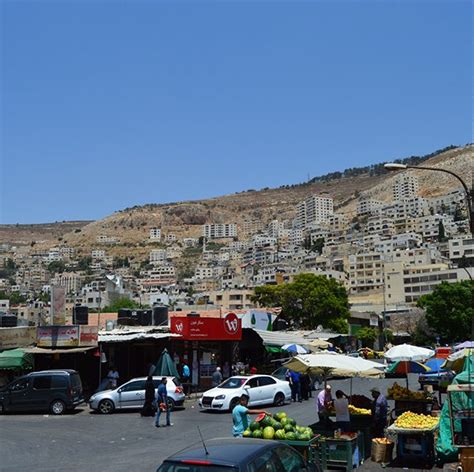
<point x="186" y="467"/>
<point x="233" y="382"/>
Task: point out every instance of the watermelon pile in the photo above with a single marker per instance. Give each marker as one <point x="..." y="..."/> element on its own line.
<point x="279" y="427"/>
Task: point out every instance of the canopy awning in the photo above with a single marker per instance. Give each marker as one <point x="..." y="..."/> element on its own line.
<point x="280" y="338"/>
<point x="72" y="350"/>
<point x="119" y="338"/>
<point x="16" y="359"/>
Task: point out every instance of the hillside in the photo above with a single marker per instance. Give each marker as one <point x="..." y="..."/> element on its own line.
<point x="131" y="226"/>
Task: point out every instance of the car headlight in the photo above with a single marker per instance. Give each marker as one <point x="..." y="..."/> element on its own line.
<point x="220" y="397"/>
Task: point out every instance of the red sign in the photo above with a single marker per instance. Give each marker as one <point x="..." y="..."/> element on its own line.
<point x="228" y="328"/>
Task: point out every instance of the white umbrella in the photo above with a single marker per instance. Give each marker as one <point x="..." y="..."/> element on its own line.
<point x="337" y="365"/>
<point x="407" y="352"/>
<point x="295" y="349"/>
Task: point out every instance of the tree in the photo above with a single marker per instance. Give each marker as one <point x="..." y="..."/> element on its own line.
<point x="450" y="310"/>
<point x="16" y="298"/>
<point x="388" y="335"/>
<point x="367" y="336"/>
<point x="56" y="266"/>
<point x="441" y="232"/>
<point x="309" y="301"/>
<point x="318" y="245"/>
<point x="120" y="303"/>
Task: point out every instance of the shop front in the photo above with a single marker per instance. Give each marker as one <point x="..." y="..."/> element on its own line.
<point x="205" y="344"/>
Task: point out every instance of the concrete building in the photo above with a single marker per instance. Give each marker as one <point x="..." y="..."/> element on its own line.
<point x="69" y="280"/>
<point x="380" y="225"/>
<point x="104" y="239"/>
<point x="405" y="186"/>
<point x="218" y="231"/>
<point x="447" y="204"/>
<point x="406" y="208"/>
<point x="366" y="272"/>
<point x="155" y="234"/>
<point x="368" y="206"/>
<point x="158" y="256"/>
<point x="461" y="250"/>
<point x="98" y="254"/>
<point x="314" y="209"/>
<point x="232" y="299"/>
<point x="251" y="227"/>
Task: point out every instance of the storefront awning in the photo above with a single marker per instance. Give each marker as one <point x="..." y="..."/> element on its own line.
<point x="119" y="338"/>
<point x="72" y="350"/>
<point x="280" y="338"/>
<point x="15" y="359"/>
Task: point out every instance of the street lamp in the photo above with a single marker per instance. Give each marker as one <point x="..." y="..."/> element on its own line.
<point x="469" y="192"/>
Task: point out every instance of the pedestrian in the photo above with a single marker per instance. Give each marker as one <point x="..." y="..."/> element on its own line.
<point x="379" y="413"/>
<point x="253" y="370"/>
<point x="341" y="405"/>
<point x="324" y="403"/>
<point x="162" y="403"/>
<point x="148" y="408"/>
<point x="295" y="385"/>
<point x="113" y="377"/>
<point x="305" y="386"/>
<point x="217" y="377"/>
<point x="240" y="416"/>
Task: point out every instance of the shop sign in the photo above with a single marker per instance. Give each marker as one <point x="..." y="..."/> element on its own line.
<point x="374" y="320"/>
<point x="88" y="335"/>
<point x="228" y="328"/>
<point x="57" y="336"/>
<point x="17" y="337"/>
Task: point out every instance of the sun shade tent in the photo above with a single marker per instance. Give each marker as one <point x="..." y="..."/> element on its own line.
<point x="16" y="359"/>
<point x="335" y="365"/>
<point x="165" y="366"/>
<point x="407" y="352"/>
<point x="464" y="345"/>
<point x="295" y="349"/>
<point x="460" y="360"/>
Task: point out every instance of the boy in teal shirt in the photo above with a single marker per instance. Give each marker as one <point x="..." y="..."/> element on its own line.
<point x="240" y="416"/>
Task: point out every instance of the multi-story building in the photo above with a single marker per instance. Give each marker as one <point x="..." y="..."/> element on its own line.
<point x="203" y="273"/>
<point x="251" y="227"/>
<point x="104" y="239"/>
<point x="366" y="272"/>
<point x="69" y="280"/>
<point x="219" y="231"/>
<point x="98" y="254"/>
<point x="406" y="208"/>
<point x="232" y="299"/>
<point x="380" y="225"/>
<point x="405" y="186"/>
<point x="449" y="203"/>
<point x="155" y="234"/>
<point x="314" y="209"/>
<point x="190" y="242"/>
<point x="171" y="238"/>
<point x="368" y="206"/>
<point x="461" y="251"/>
<point x="275" y="228"/>
<point x="158" y="256"/>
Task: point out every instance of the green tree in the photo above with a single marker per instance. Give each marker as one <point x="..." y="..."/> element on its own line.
<point x="84" y="263"/>
<point x="318" y="245"/>
<point x="56" y="266"/>
<point x="120" y="303"/>
<point x="367" y="336"/>
<point x="16" y="298"/>
<point x="309" y="301"/>
<point x="450" y="310"/>
<point x="441" y="232"/>
<point x="388" y="335"/>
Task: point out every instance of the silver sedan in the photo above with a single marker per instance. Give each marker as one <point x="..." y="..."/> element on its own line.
<point x="131" y="395"/>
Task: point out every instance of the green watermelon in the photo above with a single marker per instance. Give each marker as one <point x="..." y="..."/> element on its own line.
<point x="276" y="426"/>
<point x="267" y="421"/>
<point x="257" y="433"/>
<point x="254" y="426"/>
<point x="305" y="437"/>
<point x="284" y="420"/>
<point x="280" y="434"/>
<point x="247" y="433"/>
<point x="290" y="436"/>
<point x="288" y="428"/>
<point x="280" y="415"/>
<point x="291" y="421"/>
<point x="268" y="432"/>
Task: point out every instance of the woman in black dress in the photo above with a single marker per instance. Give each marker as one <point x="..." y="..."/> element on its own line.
<point x="148" y="408"/>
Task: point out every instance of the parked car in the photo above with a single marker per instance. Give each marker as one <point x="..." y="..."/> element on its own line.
<point x="237" y="455"/>
<point x="262" y="389"/>
<point x="131" y="395"/>
<point x="47" y="390"/>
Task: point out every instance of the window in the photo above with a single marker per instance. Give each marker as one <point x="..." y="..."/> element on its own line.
<point x="19" y="385"/>
<point x="134" y="386"/>
<point x="42" y="383"/>
<point x="59" y="381"/>
<point x="267" y="462"/>
<point x="291" y="460"/>
<point x="252" y="383"/>
<point x="263" y="381"/>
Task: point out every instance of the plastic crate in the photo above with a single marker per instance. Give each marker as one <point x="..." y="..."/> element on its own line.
<point x="415" y="447"/>
<point x="340" y="454"/>
<point x="308" y="449"/>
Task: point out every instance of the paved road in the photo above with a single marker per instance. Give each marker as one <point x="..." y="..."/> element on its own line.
<point x="84" y="441"/>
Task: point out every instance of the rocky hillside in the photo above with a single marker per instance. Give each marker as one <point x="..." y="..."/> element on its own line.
<point x="131" y="226"/>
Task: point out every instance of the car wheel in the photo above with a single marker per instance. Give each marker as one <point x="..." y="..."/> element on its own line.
<point x="106" y="406"/>
<point x="233" y="403"/>
<point x="279" y="399"/>
<point x="57" y="407"/>
<point x="171" y="404"/>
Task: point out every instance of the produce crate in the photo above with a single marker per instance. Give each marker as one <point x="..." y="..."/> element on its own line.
<point x="338" y="454"/>
<point x="308" y="449"/>
<point x="416" y="447"/>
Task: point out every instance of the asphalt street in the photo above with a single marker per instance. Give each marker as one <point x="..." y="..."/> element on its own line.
<point x="85" y="441"/>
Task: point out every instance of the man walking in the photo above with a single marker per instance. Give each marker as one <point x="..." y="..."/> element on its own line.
<point x="240" y="416"/>
<point x="217" y="377"/>
<point x="162" y="403"/>
<point x="186" y="377"/>
<point x="379" y="413"/>
<point x="295" y="384"/>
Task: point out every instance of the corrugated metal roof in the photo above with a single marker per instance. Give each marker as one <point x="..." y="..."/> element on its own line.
<point x="110" y="337"/>
<point x="280" y="338"/>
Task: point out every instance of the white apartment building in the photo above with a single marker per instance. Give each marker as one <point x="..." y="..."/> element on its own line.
<point x="171" y="238"/>
<point x="218" y="230"/>
<point x="158" y="256"/>
<point x="366" y="272"/>
<point x="275" y="228"/>
<point x="98" y="254"/>
<point x="104" y="239"/>
<point x="69" y="280"/>
<point x="67" y="251"/>
<point x="54" y="255"/>
<point x="4" y="305"/>
<point x="461" y="249"/>
<point x="251" y="227"/>
<point x="368" y="206"/>
<point x="296" y="237"/>
<point x="155" y="234"/>
<point x="405" y="186"/>
<point x="397" y="242"/>
<point x="447" y="204"/>
<point x="314" y="209"/>
<point x="338" y="222"/>
<point x="406" y="207"/>
<point x="203" y="273"/>
<point x="190" y="242"/>
<point x="428" y="226"/>
<point x="380" y="225"/>
<point x="261" y="240"/>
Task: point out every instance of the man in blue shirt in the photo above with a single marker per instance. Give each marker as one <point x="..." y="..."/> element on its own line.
<point x="379" y="412"/>
<point x="240" y="416"/>
<point x="295" y="385"/>
<point x="162" y="401"/>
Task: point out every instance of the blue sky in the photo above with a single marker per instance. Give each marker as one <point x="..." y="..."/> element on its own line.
<point x="106" y="105"/>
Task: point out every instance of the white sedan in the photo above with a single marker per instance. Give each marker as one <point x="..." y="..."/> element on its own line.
<point x="261" y="389"/>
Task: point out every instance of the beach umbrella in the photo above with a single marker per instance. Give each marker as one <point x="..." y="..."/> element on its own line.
<point x="464" y="345"/>
<point x="295" y="349"/>
<point x="435" y="364"/>
<point x="318" y="344"/>
<point x="407" y="352"/>
<point x="407" y="367"/>
<point x="165" y="366"/>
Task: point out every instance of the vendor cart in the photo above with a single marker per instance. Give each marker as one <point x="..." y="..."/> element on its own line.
<point x="461" y="413"/>
<point x="414" y="446"/>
